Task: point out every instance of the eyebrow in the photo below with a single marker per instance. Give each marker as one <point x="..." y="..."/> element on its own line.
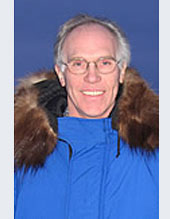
<point x="76" y="58"/>
<point x="81" y="58"/>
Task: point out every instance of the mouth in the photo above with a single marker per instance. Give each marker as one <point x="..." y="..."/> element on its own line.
<point x="93" y="93"/>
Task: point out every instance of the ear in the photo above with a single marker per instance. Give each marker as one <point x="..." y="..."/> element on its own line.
<point x="60" y="75"/>
<point x="122" y="73"/>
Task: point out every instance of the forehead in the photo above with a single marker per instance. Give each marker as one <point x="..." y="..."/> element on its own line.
<point x="89" y="39"/>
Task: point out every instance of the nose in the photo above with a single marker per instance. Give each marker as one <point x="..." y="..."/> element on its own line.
<point x="92" y="75"/>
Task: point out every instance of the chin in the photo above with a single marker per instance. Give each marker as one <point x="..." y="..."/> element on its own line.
<point x="90" y="111"/>
<point x="93" y="114"/>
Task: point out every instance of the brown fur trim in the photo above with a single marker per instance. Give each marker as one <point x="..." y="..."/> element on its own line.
<point x="33" y="78"/>
<point x="138" y="113"/>
<point x="34" y="139"/>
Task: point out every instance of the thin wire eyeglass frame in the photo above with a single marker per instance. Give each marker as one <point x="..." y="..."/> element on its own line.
<point x="88" y="63"/>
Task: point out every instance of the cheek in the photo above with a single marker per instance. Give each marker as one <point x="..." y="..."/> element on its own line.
<point x="113" y="85"/>
<point x="72" y="85"/>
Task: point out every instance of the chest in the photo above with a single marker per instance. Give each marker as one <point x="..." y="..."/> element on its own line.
<point x="92" y="183"/>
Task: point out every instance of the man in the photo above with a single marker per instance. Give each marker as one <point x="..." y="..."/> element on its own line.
<point x="86" y="141"/>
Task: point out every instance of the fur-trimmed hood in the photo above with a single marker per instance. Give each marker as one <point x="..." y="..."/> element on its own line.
<point x="39" y="99"/>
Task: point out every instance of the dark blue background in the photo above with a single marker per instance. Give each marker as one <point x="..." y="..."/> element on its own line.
<point x="37" y="23"/>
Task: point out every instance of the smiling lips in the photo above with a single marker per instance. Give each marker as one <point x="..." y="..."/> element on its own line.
<point x="92" y="93"/>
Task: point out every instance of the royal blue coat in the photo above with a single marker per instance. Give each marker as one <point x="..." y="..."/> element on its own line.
<point x="92" y="183"/>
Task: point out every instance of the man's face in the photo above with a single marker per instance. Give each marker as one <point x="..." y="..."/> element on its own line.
<point x="92" y="94"/>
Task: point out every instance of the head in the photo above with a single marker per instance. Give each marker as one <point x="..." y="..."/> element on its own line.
<point x="89" y="40"/>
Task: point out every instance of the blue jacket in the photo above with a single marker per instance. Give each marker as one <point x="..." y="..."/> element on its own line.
<point x="90" y="182"/>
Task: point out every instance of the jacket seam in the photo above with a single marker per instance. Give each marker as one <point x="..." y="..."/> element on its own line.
<point x="68" y="191"/>
<point x="104" y="170"/>
<point x="68" y="188"/>
<point x="102" y="189"/>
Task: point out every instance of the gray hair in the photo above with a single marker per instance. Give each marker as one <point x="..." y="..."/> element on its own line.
<point x="123" y="53"/>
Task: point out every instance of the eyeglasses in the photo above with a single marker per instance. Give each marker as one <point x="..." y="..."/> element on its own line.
<point x="104" y="65"/>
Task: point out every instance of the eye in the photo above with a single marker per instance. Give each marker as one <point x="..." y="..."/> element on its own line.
<point x="77" y="63"/>
<point x="106" y="62"/>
